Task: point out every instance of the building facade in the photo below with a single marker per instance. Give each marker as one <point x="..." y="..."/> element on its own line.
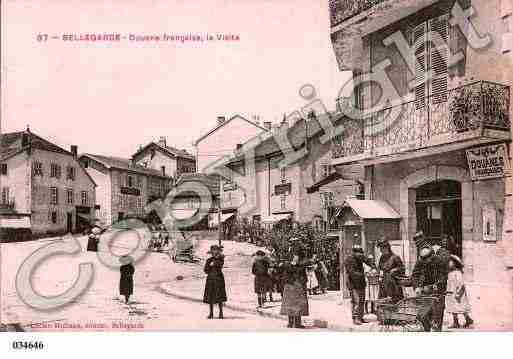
<point x="223" y="139"/>
<point x="302" y="191"/>
<point x="170" y="161"/>
<point x="439" y="151"/>
<point x="123" y="187"/>
<point x="46" y="184"/>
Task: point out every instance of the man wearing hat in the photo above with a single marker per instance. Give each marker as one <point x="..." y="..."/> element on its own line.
<point x="429" y="277"/>
<point x="391" y="267"/>
<point x="356" y="281"/>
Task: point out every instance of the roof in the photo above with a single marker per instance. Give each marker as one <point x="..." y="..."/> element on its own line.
<point x="266" y="145"/>
<point x="174" y="152"/>
<point x="209" y="180"/>
<point x="123" y="164"/>
<point x="372" y="209"/>
<point x="12" y="143"/>
<point x="335" y="176"/>
<point x="225" y="123"/>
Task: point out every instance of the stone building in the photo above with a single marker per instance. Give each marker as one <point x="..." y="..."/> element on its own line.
<point x="43" y="185"/>
<point x="302" y="190"/>
<point x="223" y="138"/>
<point x="123" y="187"/>
<point x="170" y="161"/>
<point x="438" y="151"/>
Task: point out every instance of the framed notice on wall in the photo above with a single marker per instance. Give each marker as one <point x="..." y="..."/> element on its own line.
<point x="488" y="162"/>
<point x="489" y="223"/>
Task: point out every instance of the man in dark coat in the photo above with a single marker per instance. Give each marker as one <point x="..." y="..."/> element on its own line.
<point x="391" y="267"/>
<point x="126" y="279"/>
<point x="356" y="282"/>
<point x="260" y="270"/>
<point x="429" y="277"/>
<point x="215" y="290"/>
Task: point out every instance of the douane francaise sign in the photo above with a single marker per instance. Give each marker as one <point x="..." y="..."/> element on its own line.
<point x="488" y="162"/>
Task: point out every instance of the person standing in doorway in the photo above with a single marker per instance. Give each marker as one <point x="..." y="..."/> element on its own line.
<point x="356" y="282"/>
<point x="215" y="289"/>
<point x="126" y="279"/>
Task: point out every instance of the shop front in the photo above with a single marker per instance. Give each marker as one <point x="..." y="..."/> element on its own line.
<point x="458" y="196"/>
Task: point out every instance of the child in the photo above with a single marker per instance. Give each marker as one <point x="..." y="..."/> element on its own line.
<point x="456" y="301"/>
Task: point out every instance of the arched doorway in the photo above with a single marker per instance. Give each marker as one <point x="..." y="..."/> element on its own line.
<point x="439" y="213"/>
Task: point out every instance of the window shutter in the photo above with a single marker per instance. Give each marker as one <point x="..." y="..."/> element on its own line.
<point x="438" y="58"/>
<point x="420" y="57"/>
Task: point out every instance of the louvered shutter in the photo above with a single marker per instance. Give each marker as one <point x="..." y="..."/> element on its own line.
<point x="438" y="58"/>
<point x="420" y="54"/>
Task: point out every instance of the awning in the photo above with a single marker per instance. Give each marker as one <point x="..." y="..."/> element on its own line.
<point x="370" y="209"/>
<point x="225" y="216"/>
<point x="19" y="222"/>
<point x="276" y="217"/>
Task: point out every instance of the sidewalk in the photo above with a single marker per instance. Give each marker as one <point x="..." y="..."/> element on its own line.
<point x="326" y="310"/>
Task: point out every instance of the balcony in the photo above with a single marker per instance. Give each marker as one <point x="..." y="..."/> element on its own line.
<point x="7" y="206"/>
<point x="341" y="10"/>
<point x="476" y="112"/>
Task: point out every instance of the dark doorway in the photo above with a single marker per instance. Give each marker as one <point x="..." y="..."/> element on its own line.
<point x="121" y="216"/>
<point x="438" y="206"/>
<point x="69" y="222"/>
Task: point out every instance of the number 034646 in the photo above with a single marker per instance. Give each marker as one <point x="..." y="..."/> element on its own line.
<point x="27" y="345"/>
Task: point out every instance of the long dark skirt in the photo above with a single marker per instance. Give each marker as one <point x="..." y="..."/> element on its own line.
<point x="215" y="290"/>
<point x="126" y="281"/>
<point x="263" y="284"/>
<point x="294" y="301"/>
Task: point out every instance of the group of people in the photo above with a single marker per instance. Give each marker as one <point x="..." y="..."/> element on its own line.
<point x="437" y="273"/>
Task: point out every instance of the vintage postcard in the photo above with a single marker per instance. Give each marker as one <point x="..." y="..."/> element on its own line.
<point x="222" y="165"/>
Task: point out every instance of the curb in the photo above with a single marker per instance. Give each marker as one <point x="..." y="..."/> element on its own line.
<point x="184" y="296"/>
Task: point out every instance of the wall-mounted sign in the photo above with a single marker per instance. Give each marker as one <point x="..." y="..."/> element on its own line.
<point x="284" y="188"/>
<point x="130" y="191"/>
<point x="488" y="162"/>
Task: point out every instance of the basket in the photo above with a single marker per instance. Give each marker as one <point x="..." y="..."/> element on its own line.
<point x="381" y="304"/>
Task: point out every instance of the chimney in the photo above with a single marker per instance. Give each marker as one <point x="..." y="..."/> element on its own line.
<point x="74" y="151"/>
<point x="220" y="120"/>
<point x="239" y="146"/>
<point x="24" y="139"/>
<point x="131" y="162"/>
<point x="268" y="125"/>
<point x="162" y="141"/>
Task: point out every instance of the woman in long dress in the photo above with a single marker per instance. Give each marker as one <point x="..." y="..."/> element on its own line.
<point x="126" y="279"/>
<point x="294" y="302"/>
<point x="215" y="289"/>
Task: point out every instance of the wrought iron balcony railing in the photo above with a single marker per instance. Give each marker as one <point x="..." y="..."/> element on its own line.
<point x="7" y="205"/>
<point x="464" y="112"/>
<point x="341" y="10"/>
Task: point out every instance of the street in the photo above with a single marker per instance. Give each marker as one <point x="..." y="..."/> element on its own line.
<point x="99" y="308"/>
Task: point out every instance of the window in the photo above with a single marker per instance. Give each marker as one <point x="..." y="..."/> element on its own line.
<point x="37" y="169"/>
<point x="326" y="170"/>
<point x="54" y="196"/>
<point x="70" y="173"/>
<point x="83" y="197"/>
<point x="5" y="195"/>
<point x="327" y="199"/>
<point x="54" y="217"/>
<point x="139" y="181"/>
<point x="3" y="169"/>
<point x="69" y="193"/>
<point x="129" y="181"/>
<point x="55" y="171"/>
<point x="431" y="55"/>
<point x="86" y="163"/>
<point x="282" y="201"/>
<point x="283" y="174"/>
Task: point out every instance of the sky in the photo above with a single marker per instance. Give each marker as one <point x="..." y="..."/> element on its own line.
<point x="109" y="98"/>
